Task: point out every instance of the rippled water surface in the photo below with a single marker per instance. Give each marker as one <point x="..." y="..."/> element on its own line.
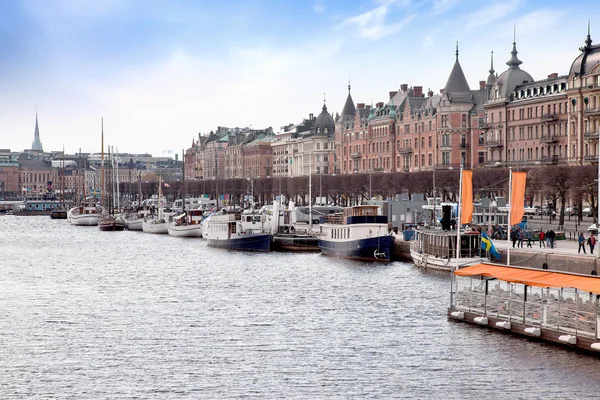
<point x="89" y="314"/>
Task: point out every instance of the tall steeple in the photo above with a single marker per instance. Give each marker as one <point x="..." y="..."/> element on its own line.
<point x="514" y="61"/>
<point x="37" y="144"/>
<point x="349" y="110"/>
<point x="457" y="83"/>
<point x="492" y="76"/>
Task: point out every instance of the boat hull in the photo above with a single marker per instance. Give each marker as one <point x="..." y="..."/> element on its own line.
<point x="260" y="242"/>
<point x="84" y="220"/>
<point x="58" y="214"/>
<point x="185" y="230"/>
<point x="134" y="224"/>
<point x="291" y="242"/>
<point x="111" y="226"/>
<point x="444" y="264"/>
<point x="377" y="248"/>
<point x="156" y="228"/>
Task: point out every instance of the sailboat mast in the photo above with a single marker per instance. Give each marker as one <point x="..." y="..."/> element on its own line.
<point x="117" y="173"/>
<point x="184" y="193"/>
<point x="102" y="184"/>
<point x="509" y="230"/>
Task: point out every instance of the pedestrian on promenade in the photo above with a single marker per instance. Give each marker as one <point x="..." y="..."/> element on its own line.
<point x="514" y="237"/>
<point x="521" y="237"/>
<point x="551" y="235"/>
<point x="528" y="235"/>
<point x="591" y="242"/>
<point x="548" y="238"/>
<point x="581" y="241"/>
<point x="542" y="237"/>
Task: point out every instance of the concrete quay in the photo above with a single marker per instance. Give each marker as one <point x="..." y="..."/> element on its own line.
<point x="563" y="257"/>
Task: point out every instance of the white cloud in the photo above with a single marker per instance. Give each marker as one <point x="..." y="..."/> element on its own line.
<point x="441" y="6"/>
<point x="318" y="8"/>
<point x="373" y="25"/>
<point x="491" y="14"/>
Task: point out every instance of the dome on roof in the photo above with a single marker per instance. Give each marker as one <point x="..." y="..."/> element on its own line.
<point x="324" y="124"/>
<point x="513" y="76"/>
<point x="588" y="59"/>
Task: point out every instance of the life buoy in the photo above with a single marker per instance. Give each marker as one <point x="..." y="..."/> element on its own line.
<point x="463" y="242"/>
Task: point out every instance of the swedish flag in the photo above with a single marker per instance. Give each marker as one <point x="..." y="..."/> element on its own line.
<point x="487" y="245"/>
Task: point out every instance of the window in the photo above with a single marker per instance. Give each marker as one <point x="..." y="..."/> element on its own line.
<point x="444" y="121"/>
<point x="406" y="128"/>
<point x="464" y="121"/>
<point x="446" y="158"/>
<point x="430" y="142"/>
<point x="481" y="157"/>
<point x="319" y="145"/>
<point x="430" y="159"/>
<point x="481" y="139"/>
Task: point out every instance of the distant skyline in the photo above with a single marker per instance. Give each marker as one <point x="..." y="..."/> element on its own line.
<point x="160" y="72"/>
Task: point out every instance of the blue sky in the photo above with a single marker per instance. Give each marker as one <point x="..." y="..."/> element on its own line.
<point x="161" y="71"/>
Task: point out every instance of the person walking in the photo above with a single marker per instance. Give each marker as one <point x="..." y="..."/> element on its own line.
<point x="514" y="237"/>
<point x="521" y="237"/>
<point x="528" y="235"/>
<point x="581" y="241"/>
<point x="548" y="238"/>
<point x="591" y="242"/>
<point x="542" y="237"/>
<point x="551" y="236"/>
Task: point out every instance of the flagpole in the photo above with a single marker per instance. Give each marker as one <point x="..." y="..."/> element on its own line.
<point x="458" y="222"/>
<point x="509" y="208"/>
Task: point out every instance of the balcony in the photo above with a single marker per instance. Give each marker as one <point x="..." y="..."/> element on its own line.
<point x="549" y="160"/>
<point x="355" y="155"/>
<point x="450" y="166"/>
<point x="493" y="144"/>
<point x="446" y="145"/>
<point x="591" y="159"/>
<point x="549" y="139"/>
<point x="590" y="135"/>
<point x="463" y="145"/>
<point x="591" y="111"/>
<point x="405" y="150"/>
<point x="484" y="125"/>
<point x="548" y="117"/>
<point x="405" y="169"/>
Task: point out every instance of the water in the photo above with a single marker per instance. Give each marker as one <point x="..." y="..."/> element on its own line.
<point x="86" y="314"/>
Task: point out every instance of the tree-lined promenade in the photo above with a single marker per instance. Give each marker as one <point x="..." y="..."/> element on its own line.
<point x="556" y="186"/>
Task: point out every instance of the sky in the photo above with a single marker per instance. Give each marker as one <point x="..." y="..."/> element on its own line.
<point x="160" y="72"/>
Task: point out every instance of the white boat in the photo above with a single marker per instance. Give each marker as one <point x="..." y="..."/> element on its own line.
<point x="360" y="233"/>
<point x="84" y="215"/>
<point x="187" y="224"/>
<point x="133" y="220"/>
<point x="226" y="231"/>
<point x="156" y="223"/>
<point x="436" y="249"/>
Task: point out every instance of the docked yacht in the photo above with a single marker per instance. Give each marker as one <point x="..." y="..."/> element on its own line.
<point x="186" y="224"/>
<point x="436" y="249"/>
<point x="84" y="215"/>
<point x="227" y="231"/>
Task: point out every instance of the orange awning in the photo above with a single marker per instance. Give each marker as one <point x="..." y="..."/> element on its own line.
<point x="534" y="277"/>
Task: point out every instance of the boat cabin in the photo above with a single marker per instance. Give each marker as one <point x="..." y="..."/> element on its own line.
<point x="442" y="244"/>
<point x="357" y="215"/>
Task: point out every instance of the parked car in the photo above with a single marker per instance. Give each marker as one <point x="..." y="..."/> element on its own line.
<point x="588" y="212"/>
<point x="532" y="210"/>
<point x="572" y="211"/>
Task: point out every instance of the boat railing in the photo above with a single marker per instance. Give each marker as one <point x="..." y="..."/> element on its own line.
<point x="333" y="219"/>
<point x="563" y="310"/>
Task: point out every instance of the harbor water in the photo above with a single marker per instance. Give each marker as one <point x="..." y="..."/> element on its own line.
<point x="86" y="314"/>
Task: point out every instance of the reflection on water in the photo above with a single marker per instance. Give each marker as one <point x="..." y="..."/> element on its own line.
<point x="90" y="314"/>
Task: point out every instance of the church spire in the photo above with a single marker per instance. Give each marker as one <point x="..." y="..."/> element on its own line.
<point x="514" y="61"/>
<point x="457" y="50"/>
<point x="37" y="144"/>
<point x="491" y="77"/>
<point x="588" y="40"/>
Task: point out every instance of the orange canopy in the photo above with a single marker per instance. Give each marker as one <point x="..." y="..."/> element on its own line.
<point x="533" y="277"/>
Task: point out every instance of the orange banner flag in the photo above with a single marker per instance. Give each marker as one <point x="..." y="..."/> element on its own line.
<point x="466" y="197"/>
<point x="517" y="197"/>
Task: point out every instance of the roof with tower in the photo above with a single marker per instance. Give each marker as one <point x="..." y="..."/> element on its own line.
<point x="513" y="76"/>
<point x="37" y="144"/>
<point x="349" y="110"/>
<point x="588" y="59"/>
<point x="324" y="124"/>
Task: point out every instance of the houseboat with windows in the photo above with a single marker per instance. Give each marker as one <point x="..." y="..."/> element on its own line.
<point x="359" y="233"/>
<point x="436" y="249"/>
<point x="546" y="305"/>
<point x="227" y="231"/>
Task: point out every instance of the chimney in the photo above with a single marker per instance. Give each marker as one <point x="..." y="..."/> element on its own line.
<point x="360" y="105"/>
<point x="404" y="87"/>
<point x="553" y="75"/>
<point x="418" y="91"/>
<point x="368" y="107"/>
<point x="430" y="93"/>
<point x="310" y="116"/>
<point x="380" y="104"/>
<point x="481" y="85"/>
<point x="392" y="94"/>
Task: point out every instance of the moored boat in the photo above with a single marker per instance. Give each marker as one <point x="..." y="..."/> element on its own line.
<point x="187" y="224"/>
<point x="84" y="215"/>
<point x="436" y="249"/>
<point x="226" y="231"/>
<point x="111" y="223"/>
<point x="59" y="213"/>
<point x="360" y="233"/>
